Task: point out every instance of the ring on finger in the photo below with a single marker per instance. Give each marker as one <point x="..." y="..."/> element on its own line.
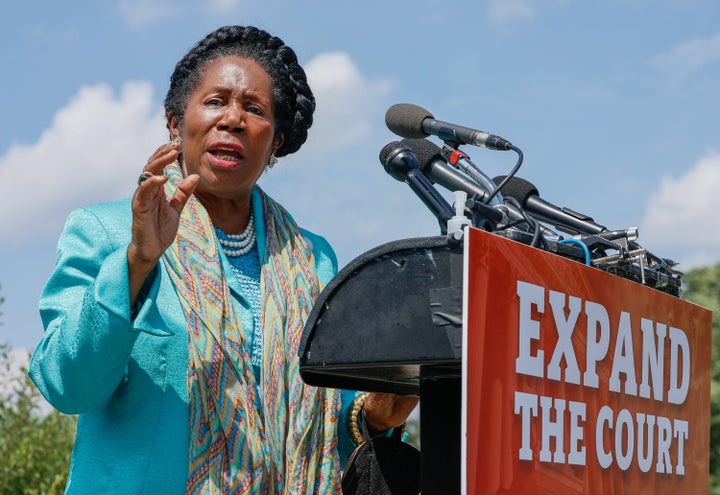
<point x="144" y="176"/>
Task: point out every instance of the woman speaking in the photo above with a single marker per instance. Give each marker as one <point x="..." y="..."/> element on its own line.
<point x="173" y="318"/>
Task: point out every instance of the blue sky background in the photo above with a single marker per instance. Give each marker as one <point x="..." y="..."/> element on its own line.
<point x="613" y="102"/>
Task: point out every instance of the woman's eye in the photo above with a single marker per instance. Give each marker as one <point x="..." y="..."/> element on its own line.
<point x="255" y="110"/>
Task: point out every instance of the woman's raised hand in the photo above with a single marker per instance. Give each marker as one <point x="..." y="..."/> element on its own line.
<point x="155" y="216"/>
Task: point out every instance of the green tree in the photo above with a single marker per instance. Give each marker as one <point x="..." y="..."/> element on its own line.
<point x="702" y="286"/>
<point x="35" y="441"/>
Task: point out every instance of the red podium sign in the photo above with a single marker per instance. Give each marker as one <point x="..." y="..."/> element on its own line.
<point x="577" y="381"/>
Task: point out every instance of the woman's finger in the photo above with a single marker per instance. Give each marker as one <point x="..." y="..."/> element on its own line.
<point x="184" y="191"/>
<point x="148" y="192"/>
<point x="164" y="155"/>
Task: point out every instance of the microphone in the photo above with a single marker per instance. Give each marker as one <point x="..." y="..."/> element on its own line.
<point x="411" y="121"/>
<point x="401" y="163"/>
<point x="561" y="218"/>
<point x="433" y="166"/>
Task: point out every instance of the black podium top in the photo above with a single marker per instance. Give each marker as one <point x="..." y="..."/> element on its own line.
<point x="390" y="312"/>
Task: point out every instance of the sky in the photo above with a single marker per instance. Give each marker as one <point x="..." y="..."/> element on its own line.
<point x="612" y="102"/>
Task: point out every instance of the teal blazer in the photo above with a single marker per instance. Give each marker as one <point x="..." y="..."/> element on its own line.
<point x="126" y="377"/>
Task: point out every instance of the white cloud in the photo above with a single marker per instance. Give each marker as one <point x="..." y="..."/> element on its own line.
<point x="682" y="215"/>
<point x="347" y="103"/>
<point x="138" y="13"/>
<point x="683" y="60"/>
<point x="93" y="151"/>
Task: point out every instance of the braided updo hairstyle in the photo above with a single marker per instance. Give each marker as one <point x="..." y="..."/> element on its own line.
<point x="293" y="100"/>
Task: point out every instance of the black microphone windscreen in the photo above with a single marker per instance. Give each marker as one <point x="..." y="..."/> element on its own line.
<point x="387" y="149"/>
<point x="517" y="188"/>
<point x="426" y="151"/>
<point x="406" y="120"/>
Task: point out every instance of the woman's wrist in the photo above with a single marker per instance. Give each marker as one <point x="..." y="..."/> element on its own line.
<point x="374" y="427"/>
<point x="138" y="272"/>
<point x="354" y="417"/>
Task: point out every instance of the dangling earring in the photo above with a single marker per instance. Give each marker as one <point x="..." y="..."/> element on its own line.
<point x="273" y="160"/>
<point x="177" y="139"/>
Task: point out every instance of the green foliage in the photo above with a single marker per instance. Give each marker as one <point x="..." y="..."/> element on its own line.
<point x="35" y="442"/>
<point x="702" y="286"/>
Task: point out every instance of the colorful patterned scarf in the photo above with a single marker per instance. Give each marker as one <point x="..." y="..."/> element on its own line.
<point x="275" y="437"/>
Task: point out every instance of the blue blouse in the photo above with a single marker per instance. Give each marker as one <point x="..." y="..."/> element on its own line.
<point x="126" y="376"/>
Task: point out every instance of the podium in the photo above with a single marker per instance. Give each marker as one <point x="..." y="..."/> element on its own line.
<point x="391" y="321"/>
<point x="475" y="328"/>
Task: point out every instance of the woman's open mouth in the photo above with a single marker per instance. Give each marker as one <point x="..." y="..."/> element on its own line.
<point x="225" y="155"/>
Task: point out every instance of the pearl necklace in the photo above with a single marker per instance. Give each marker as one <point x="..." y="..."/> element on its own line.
<point x="239" y="244"/>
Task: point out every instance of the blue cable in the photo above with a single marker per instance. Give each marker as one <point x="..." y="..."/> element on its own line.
<point x="582" y="245"/>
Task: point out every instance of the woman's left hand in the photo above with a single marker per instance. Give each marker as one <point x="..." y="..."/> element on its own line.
<point x="385" y="411"/>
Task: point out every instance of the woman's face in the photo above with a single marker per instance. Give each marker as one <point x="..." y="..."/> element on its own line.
<point x="228" y="128"/>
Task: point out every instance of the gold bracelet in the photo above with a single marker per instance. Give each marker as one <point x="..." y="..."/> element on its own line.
<point x="352" y="423"/>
